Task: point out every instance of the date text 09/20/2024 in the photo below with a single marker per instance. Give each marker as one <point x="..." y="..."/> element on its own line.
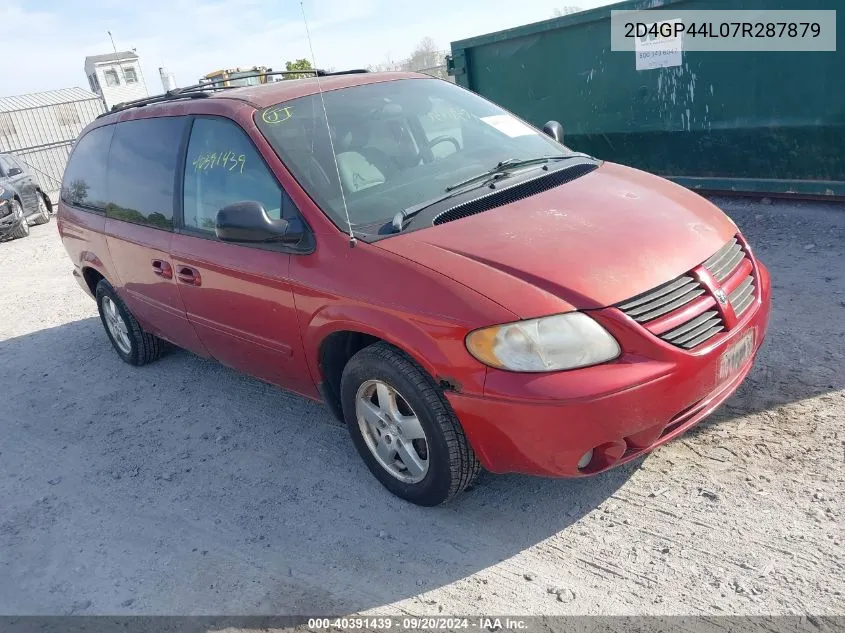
<point x="419" y="623"/>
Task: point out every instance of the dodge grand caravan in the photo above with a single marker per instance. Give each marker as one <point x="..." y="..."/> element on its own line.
<point x="460" y="288"/>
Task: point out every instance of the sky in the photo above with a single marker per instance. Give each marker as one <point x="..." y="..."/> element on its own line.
<point x="191" y="38"/>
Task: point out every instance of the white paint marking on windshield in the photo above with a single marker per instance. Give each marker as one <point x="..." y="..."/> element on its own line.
<point x="509" y="125"/>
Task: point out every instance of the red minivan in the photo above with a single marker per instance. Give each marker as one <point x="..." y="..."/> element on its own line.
<point x="460" y="288"/>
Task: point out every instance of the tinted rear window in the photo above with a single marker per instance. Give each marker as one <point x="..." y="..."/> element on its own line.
<point x="142" y="170"/>
<point x="84" y="182"/>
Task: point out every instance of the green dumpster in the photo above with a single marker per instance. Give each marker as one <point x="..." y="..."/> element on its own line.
<point x="750" y="122"/>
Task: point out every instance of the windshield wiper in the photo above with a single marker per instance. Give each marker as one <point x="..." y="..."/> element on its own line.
<point x="399" y="219"/>
<point x="503" y="166"/>
<point x="499" y="171"/>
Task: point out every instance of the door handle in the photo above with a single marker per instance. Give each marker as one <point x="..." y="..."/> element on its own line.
<point x="188" y="275"/>
<point x="162" y="269"/>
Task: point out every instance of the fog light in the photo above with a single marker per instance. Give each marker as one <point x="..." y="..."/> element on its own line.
<point x="585" y="460"/>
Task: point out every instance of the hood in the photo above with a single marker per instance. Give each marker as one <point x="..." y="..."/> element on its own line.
<point x="590" y="243"/>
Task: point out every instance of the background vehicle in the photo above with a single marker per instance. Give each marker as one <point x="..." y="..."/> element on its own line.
<point x="254" y="76"/>
<point x="460" y="288"/>
<point x="23" y="202"/>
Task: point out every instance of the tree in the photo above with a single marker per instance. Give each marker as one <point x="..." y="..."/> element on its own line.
<point x="299" y="64"/>
<point x="76" y="192"/>
<point x="426" y="57"/>
<point x="387" y="65"/>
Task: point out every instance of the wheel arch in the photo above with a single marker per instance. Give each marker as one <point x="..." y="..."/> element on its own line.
<point x="45" y="198"/>
<point x="92" y="277"/>
<point x="337" y="334"/>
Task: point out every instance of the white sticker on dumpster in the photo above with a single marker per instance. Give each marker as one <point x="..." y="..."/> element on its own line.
<point x="509" y="125"/>
<point x="657" y="46"/>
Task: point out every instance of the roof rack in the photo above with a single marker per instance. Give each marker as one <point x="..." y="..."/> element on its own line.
<point x="204" y="89"/>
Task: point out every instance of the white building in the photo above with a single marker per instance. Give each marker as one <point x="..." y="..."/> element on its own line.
<point x="116" y="77"/>
<point x="39" y="129"/>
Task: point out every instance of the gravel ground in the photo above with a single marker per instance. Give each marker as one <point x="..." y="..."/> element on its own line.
<point x="186" y="488"/>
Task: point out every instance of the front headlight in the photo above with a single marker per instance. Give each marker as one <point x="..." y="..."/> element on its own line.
<point x="553" y="343"/>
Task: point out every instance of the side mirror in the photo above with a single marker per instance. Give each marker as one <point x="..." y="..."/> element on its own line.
<point x="555" y="130"/>
<point x="14" y="171"/>
<point x="247" y="221"/>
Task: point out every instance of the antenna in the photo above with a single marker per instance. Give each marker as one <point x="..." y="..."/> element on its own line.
<point x="328" y="128"/>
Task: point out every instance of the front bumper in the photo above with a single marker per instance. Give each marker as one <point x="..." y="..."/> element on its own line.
<point x="542" y="424"/>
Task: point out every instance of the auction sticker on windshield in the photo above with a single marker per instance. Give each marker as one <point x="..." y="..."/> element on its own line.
<point x="509" y="125"/>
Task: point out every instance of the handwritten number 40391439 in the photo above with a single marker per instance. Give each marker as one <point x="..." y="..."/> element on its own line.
<point x="225" y="160"/>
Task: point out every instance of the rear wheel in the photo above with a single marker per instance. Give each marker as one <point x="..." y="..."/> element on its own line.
<point x="23" y="228"/>
<point x="43" y="214"/>
<point x="132" y="344"/>
<point x="404" y="428"/>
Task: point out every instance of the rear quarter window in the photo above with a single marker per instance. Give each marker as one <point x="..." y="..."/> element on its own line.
<point x="84" y="182"/>
<point x="142" y="171"/>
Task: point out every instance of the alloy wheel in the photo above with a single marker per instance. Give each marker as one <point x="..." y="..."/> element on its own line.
<point x="42" y="209"/>
<point x="392" y="431"/>
<point x="17" y="210"/>
<point x="116" y="325"/>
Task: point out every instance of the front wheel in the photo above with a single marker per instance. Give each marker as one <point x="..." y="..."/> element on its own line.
<point x="404" y="428"/>
<point x="22" y="229"/>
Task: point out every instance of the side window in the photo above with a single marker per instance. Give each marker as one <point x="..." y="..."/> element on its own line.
<point x="9" y="162"/>
<point x="222" y="166"/>
<point x="84" y="182"/>
<point x="111" y="78"/>
<point x="142" y="170"/>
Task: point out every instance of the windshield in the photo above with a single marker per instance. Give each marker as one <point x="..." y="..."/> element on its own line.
<point x="397" y="144"/>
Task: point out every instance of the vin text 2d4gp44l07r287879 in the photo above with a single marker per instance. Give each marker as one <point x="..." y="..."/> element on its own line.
<point x="508" y="302"/>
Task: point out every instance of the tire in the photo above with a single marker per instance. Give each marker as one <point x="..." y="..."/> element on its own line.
<point x="451" y="464"/>
<point x="43" y="215"/>
<point x="23" y="228"/>
<point x="137" y="347"/>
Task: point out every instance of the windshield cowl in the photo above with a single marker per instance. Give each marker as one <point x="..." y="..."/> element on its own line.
<point x="482" y="198"/>
<point x="503" y="175"/>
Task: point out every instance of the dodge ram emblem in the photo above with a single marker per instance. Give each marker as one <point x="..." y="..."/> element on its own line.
<point x="721" y="297"/>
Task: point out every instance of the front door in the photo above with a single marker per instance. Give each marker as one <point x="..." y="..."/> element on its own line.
<point x="139" y="225"/>
<point x="238" y="297"/>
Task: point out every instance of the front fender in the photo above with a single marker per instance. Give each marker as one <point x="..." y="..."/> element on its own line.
<point x="436" y="345"/>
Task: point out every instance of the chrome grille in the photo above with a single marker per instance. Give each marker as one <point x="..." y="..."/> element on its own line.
<point x="743" y="296"/>
<point x="726" y="259"/>
<point x="663" y="299"/>
<point x="661" y="308"/>
<point x="696" y="331"/>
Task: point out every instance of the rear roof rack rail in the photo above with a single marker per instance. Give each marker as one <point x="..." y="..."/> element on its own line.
<point x="206" y="88"/>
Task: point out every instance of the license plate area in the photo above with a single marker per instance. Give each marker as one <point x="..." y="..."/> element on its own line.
<point x="735" y="357"/>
